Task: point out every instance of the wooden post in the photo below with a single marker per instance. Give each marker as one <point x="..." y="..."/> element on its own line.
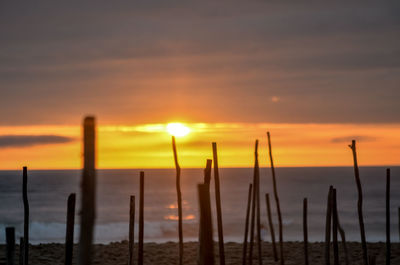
<point x="21" y="251"/>
<point x="246" y="229"/>
<point x="359" y="204"/>
<point x="271" y="227"/>
<point x="344" y="243"/>
<point x="335" y="229"/>
<point x="206" y="246"/>
<point x="69" y="236"/>
<point x="328" y="227"/>
<point x="141" y="219"/>
<point x="278" y="208"/>
<point x="257" y="172"/>
<point x="131" y="231"/>
<point x="207" y="172"/>
<point x="88" y="192"/>
<point x="372" y="259"/>
<point x="253" y="214"/>
<point x="388" y="216"/>
<point x="179" y="198"/>
<point x="26" y="215"/>
<point x="218" y="207"/>
<point x="305" y="232"/>
<point x="10" y="248"/>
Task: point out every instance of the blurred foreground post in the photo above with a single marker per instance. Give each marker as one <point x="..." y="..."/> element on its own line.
<point x="69" y="236"/>
<point x="388" y="216"/>
<point x="179" y="198"/>
<point x="26" y="215"/>
<point x="271" y="227"/>
<point x="246" y="229"/>
<point x="88" y="192"/>
<point x="328" y="227"/>
<point x="141" y="219"/>
<point x="218" y="206"/>
<point x="305" y="232"/>
<point x="335" y="229"/>
<point x="206" y="246"/>
<point x="278" y="207"/>
<point x="360" y="202"/>
<point x="10" y="248"/>
<point x="131" y="230"/>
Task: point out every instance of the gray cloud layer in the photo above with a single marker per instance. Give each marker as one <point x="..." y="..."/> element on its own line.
<point x="31" y="140"/>
<point x="327" y="62"/>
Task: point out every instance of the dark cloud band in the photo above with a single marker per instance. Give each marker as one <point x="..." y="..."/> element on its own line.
<point x="7" y="141"/>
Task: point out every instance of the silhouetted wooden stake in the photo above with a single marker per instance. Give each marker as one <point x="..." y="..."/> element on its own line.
<point x="372" y="259"/>
<point x="388" y="216"/>
<point x="69" y="235"/>
<point x="206" y="246"/>
<point x="26" y="215"/>
<point x="131" y="231"/>
<point x="21" y="251"/>
<point x="278" y="207"/>
<point x="335" y="229"/>
<point x="179" y="198"/>
<point x="218" y="206"/>
<point x="344" y="243"/>
<point x="398" y="211"/>
<point x="10" y="245"/>
<point x="359" y="204"/>
<point x="141" y="219"/>
<point x="246" y="229"/>
<point x="207" y="172"/>
<point x="271" y="227"/>
<point x="328" y="227"/>
<point x="305" y="232"/>
<point x="88" y="192"/>
<point x="253" y="214"/>
<point x="257" y="172"/>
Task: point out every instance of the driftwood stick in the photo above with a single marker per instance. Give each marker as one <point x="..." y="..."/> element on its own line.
<point x="360" y="203"/>
<point x="141" y="219"/>
<point x="21" y="251"/>
<point x="328" y="227"/>
<point x="207" y="172"/>
<point x="253" y="215"/>
<point x="257" y="172"/>
<point x="271" y="227"/>
<point x="206" y="246"/>
<point x="10" y="245"/>
<point x="69" y="235"/>
<point x="278" y="207"/>
<point x="335" y="229"/>
<point x="26" y="215"/>
<point x="388" y="216"/>
<point x="131" y="231"/>
<point x="88" y="192"/>
<point x="305" y="231"/>
<point x="343" y="237"/>
<point x="246" y="229"/>
<point x="179" y="199"/>
<point x="218" y="206"/>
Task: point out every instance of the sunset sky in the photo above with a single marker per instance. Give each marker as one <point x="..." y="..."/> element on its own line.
<point x="315" y="75"/>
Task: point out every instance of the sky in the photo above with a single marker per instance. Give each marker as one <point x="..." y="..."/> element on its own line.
<point x="314" y="74"/>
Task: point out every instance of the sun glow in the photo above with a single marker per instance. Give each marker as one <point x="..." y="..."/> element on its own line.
<point x="177" y="129"/>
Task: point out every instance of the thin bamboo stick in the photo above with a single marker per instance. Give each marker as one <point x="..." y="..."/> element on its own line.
<point x="359" y="204"/>
<point x="257" y="172"/>
<point x="246" y="229"/>
<point x="271" y="227"/>
<point x="141" y="219"/>
<point x="69" y="236"/>
<point x="388" y="216"/>
<point x="253" y="214"/>
<point x="335" y="229"/>
<point x="26" y="215"/>
<point x="218" y="206"/>
<point x="328" y="227"/>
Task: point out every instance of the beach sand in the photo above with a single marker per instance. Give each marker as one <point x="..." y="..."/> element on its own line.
<point x="166" y="253"/>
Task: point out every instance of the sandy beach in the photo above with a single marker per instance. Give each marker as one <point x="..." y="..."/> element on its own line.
<point x="166" y="253"/>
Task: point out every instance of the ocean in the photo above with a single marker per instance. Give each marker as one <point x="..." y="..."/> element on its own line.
<point x="48" y="191"/>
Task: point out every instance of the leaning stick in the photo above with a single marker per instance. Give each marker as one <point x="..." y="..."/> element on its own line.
<point x="218" y="206"/>
<point x="335" y="229"/>
<point x="69" y="236"/>
<point x="141" y="219"/>
<point x="246" y="229"/>
<point x="328" y="227"/>
<point x="360" y="202"/>
<point x="305" y="232"/>
<point x="179" y="198"/>
<point x="388" y="216"/>
<point x="271" y="227"/>
<point x="257" y="172"/>
<point x="131" y="231"/>
<point x="26" y="215"/>
<point x="276" y="200"/>
<point x="253" y="213"/>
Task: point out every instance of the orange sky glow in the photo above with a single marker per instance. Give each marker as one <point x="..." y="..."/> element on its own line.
<point x="149" y="145"/>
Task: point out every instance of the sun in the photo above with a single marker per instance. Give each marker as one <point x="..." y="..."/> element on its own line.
<point x="177" y="129"/>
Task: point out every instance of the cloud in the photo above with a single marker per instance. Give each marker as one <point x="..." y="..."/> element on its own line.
<point x="348" y="139"/>
<point x="7" y="141"/>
